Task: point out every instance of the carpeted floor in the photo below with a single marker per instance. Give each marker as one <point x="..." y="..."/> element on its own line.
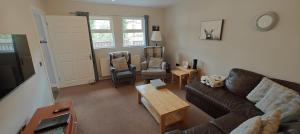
<point x="102" y="109"/>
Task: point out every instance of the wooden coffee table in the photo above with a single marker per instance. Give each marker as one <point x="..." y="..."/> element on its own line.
<point x="165" y="106"/>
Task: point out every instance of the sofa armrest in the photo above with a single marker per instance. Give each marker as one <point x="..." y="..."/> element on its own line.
<point x="144" y="65"/>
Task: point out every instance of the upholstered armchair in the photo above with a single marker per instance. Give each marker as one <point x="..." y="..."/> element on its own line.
<point x="122" y="75"/>
<point x="159" y="72"/>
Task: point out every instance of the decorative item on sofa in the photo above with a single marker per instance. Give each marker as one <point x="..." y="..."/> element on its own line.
<point x="149" y="70"/>
<point x="118" y="69"/>
<point x="260" y="90"/>
<point x="267" y="21"/>
<point x="211" y="30"/>
<point x="283" y="98"/>
<point x="156" y="35"/>
<point x="269" y="95"/>
<point x="266" y="124"/>
<point x="213" y="80"/>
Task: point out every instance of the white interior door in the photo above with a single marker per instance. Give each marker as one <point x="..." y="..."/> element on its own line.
<point x="70" y="45"/>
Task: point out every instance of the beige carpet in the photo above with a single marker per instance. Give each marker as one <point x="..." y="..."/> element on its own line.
<point x="102" y="109"/>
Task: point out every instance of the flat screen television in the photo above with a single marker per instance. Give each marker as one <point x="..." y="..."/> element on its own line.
<point x="15" y="62"/>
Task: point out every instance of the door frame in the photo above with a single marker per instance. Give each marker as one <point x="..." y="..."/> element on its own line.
<point x="41" y="13"/>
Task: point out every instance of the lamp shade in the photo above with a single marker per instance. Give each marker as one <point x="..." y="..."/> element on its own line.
<point x="156" y="36"/>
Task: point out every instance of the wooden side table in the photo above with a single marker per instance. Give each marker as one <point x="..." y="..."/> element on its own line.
<point x="181" y="74"/>
<point x="47" y="112"/>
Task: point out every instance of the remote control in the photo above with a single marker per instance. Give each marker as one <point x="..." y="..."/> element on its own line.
<point x="60" y="110"/>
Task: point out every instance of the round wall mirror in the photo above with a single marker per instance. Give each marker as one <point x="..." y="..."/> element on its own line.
<point x="267" y="21"/>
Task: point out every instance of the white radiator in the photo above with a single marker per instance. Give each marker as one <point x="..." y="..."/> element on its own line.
<point x="136" y="60"/>
<point x="105" y="67"/>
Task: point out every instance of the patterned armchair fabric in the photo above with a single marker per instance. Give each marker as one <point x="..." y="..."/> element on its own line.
<point x="125" y="75"/>
<point x="153" y="73"/>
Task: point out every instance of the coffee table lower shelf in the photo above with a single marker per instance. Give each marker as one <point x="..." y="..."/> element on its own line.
<point x="171" y="118"/>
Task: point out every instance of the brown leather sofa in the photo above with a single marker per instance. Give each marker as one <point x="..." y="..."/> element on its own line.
<point x="229" y="106"/>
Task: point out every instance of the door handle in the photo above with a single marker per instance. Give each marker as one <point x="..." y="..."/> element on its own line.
<point x="43" y="41"/>
<point x="90" y="57"/>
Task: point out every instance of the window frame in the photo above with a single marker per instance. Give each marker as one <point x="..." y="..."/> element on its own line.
<point x="111" y="30"/>
<point x="133" y="31"/>
<point x="7" y="46"/>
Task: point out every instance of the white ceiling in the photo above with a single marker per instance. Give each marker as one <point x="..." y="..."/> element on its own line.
<point x="145" y="3"/>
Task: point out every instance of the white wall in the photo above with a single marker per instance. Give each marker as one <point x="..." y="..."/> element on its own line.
<point x="64" y="7"/>
<point x="275" y="53"/>
<point x="17" y="108"/>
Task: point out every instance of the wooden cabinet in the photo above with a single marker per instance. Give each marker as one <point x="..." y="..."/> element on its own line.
<point x="47" y="112"/>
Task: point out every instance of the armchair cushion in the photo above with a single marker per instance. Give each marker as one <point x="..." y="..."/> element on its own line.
<point x="144" y="65"/>
<point x="154" y="71"/>
<point x="124" y="74"/>
<point x="155" y="62"/>
<point x="120" y="64"/>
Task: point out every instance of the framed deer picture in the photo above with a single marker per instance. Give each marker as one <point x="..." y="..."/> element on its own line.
<point x="211" y="30"/>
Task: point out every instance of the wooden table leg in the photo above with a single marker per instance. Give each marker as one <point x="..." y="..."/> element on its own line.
<point x="162" y="124"/>
<point x="183" y="115"/>
<point x="172" y="75"/>
<point x="180" y="81"/>
<point x="139" y="97"/>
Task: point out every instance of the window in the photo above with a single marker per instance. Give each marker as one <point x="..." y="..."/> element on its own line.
<point x="102" y="32"/>
<point x="6" y="43"/>
<point x="133" y="32"/>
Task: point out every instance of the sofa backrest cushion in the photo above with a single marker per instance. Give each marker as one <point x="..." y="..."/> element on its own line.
<point x="241" y="82"/>
<point x="288" y="84"/>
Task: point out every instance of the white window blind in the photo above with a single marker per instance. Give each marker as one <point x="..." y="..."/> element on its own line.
<point x="6" y="43"/>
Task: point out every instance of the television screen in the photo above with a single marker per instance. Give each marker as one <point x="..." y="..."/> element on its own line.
<point x="15" y="62"/>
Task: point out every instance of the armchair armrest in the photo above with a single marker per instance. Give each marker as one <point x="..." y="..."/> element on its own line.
<point x="132" y="68"/>
<point x="144" y="65"/>
<point x="164" y="65"/>
<point x="113" y="69"/>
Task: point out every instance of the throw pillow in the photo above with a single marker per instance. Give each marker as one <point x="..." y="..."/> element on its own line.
<point x="291" y="111"/>
<point x="213" y="81"/>
<point x="155" y="62"/>
<point x="251" y="126"/>
<point x="277" y="96"/>
<point x="270" y="122"/>
<point x="260" y="90"/>
<point x="120" y="64"/>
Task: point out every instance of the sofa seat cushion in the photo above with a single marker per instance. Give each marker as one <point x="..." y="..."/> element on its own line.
<point x="225" y="99"/>
<point x="251" y="126"/>
<point x="206" y="128"/>
<point x="229" y="122"/>
<point x="124" y="74"/>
